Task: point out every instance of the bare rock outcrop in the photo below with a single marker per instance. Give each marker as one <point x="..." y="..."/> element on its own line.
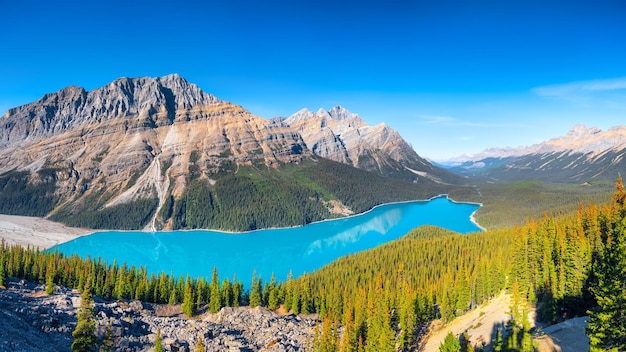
<point x="341" y="135"/>
<point x="135" y="137"/>
<point x="30" y="321"/>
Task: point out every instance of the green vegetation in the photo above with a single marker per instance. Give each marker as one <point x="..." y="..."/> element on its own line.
<point x="568" y="262"/>
<point x="158" y="344"/>
<point x="294" y="195"/>
<point x="607" y="321"/>
<point x="242" y="202"/>
<point x="24" y="194"/>
<point x="450" y="344"/>
<point x="85" y="332"/>
<point x="510" y="204"/>
<point x="129" y="216"/>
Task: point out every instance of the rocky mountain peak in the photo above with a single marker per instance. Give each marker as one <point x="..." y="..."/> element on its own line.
<point x="72" y="106"/>
<point x="342" y="114"/>
<point x="582" y="130"/>
<point x="342" y="136"/>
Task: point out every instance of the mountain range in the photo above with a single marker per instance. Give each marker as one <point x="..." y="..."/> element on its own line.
<point x="583" y="154"/>
<point x="162" y="153"/>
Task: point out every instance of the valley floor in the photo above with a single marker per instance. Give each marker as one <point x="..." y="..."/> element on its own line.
<point x="36" y="232"/>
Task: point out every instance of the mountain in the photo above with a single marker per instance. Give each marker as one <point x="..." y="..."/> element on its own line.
<point x="343" y="136"/>
<point x="583" y="154"/>
<point x="161" y="153"/>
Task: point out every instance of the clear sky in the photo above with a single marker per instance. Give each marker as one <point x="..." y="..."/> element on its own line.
<point x="452" y="77"/>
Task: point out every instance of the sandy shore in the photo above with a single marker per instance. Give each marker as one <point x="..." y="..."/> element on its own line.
<point x="36" y="232"/>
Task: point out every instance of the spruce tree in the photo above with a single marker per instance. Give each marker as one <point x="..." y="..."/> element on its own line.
<point x="255" y="291"/>
<point x="158" y="344"/>
<point x="85" y="332"/>
<point x="215" y="299"/>
<point x="188" y="299"/>
<point x="607" y="323"/>
<point x="200" y="345"/>
<point x="4" y="277"/>
<point x="450" y="344"/>
<point x="272" y="294"/>
<point x="49" y="281"/>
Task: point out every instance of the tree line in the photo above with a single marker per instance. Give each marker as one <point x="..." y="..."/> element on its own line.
<point x="377" y="300"/>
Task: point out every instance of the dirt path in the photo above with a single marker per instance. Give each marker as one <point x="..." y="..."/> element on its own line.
<point x="479" y="323"/>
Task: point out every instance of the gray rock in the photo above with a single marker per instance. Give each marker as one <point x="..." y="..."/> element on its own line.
<point x="30" y="320"/>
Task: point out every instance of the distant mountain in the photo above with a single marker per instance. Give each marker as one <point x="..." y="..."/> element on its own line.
<point x="160" y="152"/>
<point x="583" y="154"/>
<point x="343" y="136"/>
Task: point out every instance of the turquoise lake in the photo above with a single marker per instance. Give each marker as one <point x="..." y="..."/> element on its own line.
<point x="301" y="249"/>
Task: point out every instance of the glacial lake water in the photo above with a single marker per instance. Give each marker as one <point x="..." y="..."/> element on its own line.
<point x="300" y="249"/>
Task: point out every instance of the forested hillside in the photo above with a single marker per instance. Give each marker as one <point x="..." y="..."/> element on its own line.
<point x="568" y="265"/>
<point x="257" y="197"/>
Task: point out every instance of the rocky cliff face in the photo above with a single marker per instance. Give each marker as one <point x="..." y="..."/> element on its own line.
<point x="160" y="153"/>
<point x="137" y="138"/>
<point x="343" y="136"/>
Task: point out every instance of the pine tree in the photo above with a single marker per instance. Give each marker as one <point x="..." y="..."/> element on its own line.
<point x="107" y="342"/>
<point x="272" y="300"/>
<point x="288" y="291"/>
<point x="200" y="345"/>
<point x="407" y="317"/>
<point x="450" y="344"/>
<point x="4" y="276"/>
<point x="188" y="299"/>
<point x="349" y="337"/>
<point x="50" y="281"/>
<point x="237" y="292"/>
<point x="85" y="332"/>
<point x="607" y="323"/>
<point x="498" y="344"/>
<point x="215" y="299"/>
<point x="158" y="344"/>
<point x="255" y="291"/>
<point x="227" y="293"/>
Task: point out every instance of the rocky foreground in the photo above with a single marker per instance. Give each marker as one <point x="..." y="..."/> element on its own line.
<point x="33" y="321"/>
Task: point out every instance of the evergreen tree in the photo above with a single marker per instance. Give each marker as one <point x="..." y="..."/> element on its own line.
<point x="215" y="300"/>
<point x="237" y="292"/>
<point x="227" y="293"/>
<point x="450" y="344"/>
<point x="288" y="291"/>
<point x="49" y="281"/>
<point x="85" y="332"/>
<point x="255" y="291"/>
<point x="349" y="337"/>
<point x="200" y="345"/>
<point x="498" y="344"/>
<point x="188" y="299"/>
<point x="407" y="317"/>
<point x="607" y="323"/>
<point x="4" y="276"/>
<point x="272" y="299"/>
<point x="107" y="342"/>
<point x="158" y="344"/>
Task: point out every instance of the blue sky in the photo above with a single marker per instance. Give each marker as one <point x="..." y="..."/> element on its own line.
<point x="452" y="77"/>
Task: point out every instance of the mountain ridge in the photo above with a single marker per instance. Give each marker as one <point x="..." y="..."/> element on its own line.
<point x="343" y="136"/>
<point x="583" y="154"/>
<point x="146" y="150"/>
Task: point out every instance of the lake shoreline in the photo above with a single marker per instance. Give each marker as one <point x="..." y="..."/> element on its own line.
<point x="44" y="234"/>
